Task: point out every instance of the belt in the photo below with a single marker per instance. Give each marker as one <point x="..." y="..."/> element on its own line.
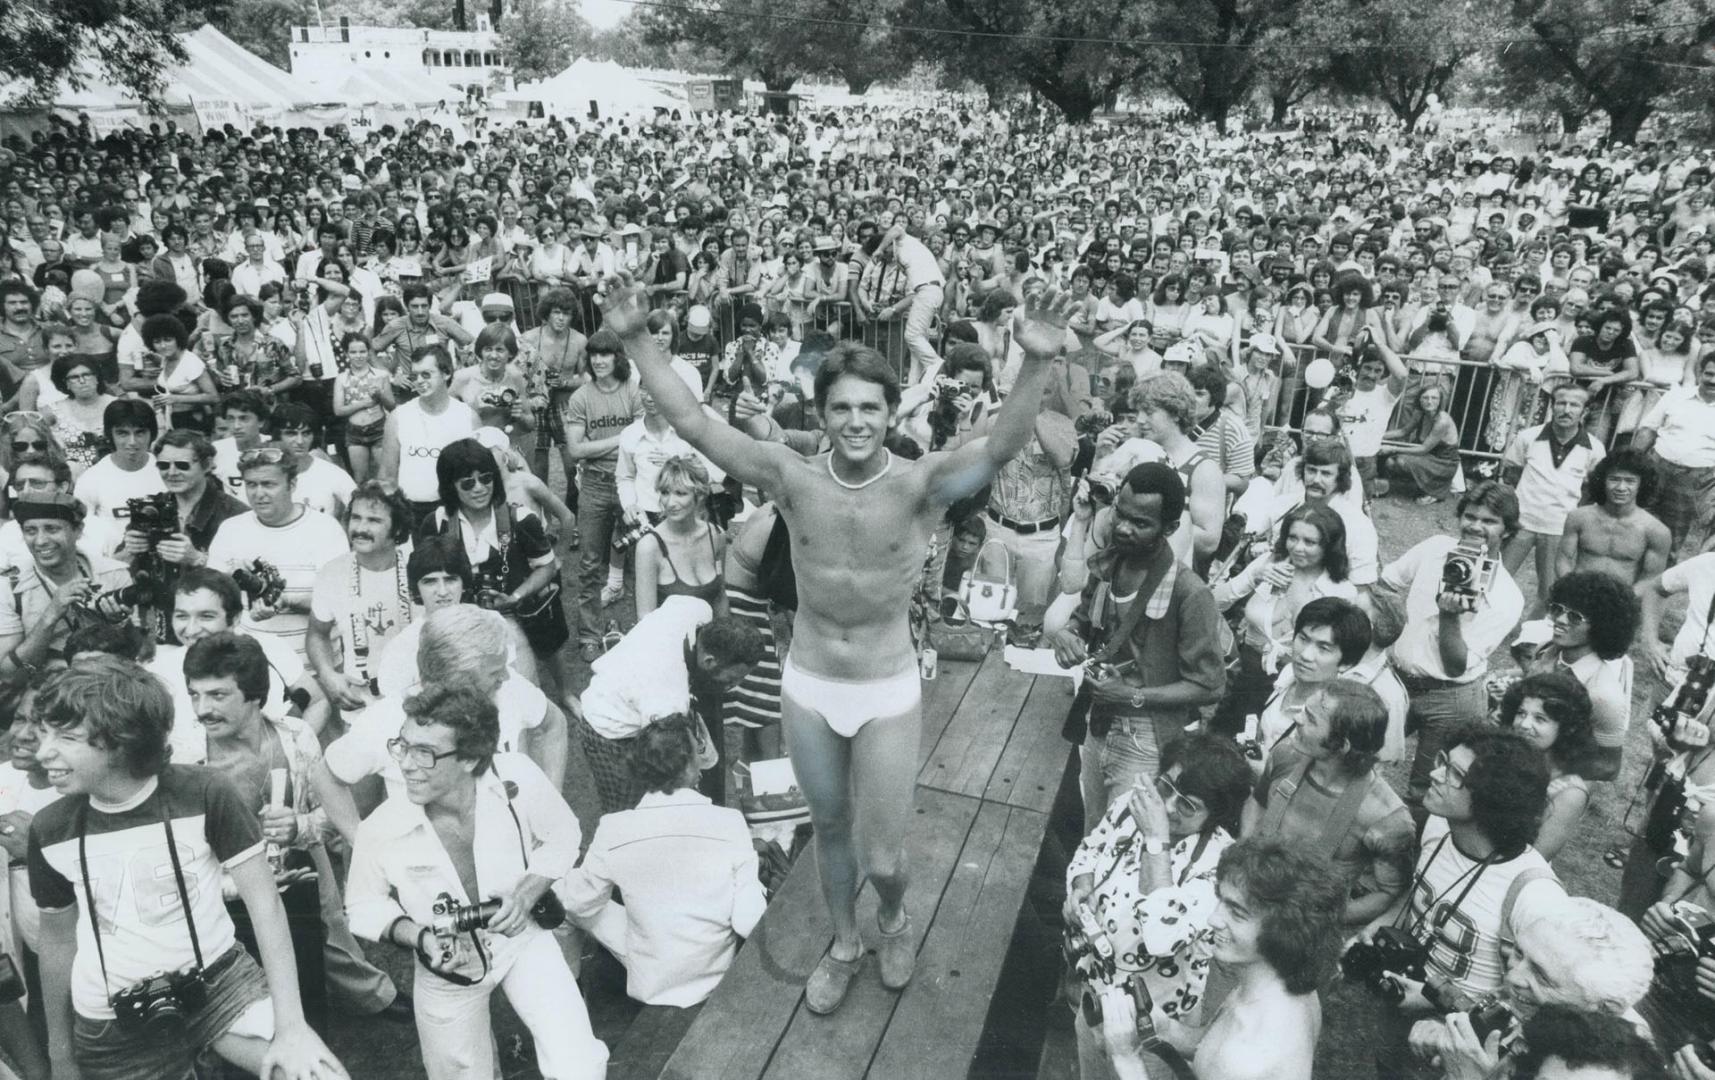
<point x="1023" y="528"/>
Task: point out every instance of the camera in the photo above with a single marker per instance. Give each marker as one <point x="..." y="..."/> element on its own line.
<point x="1687" y="702"/>
<point x="261" y="582"/>
<point x="1343" y="383"/>
<point x="1465" y="576"/>
<point x="1392" y="952"/>
<point x="1102" y="492"/>
<point x="452" y="917"/>
<point x="1088" y="937"/>
<point x="1489" y="1016"/>
<point x="155" y="516"/>
<point x="490" y="590"/>
<point x="160" y="1004"/>
<point x="1091" y="1003"/>
<point x="1093" y="423"/>
<point x="949" y="397"/>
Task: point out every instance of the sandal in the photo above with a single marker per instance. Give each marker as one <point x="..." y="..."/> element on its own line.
<point x="829" y="982"/>
<point x="897" y="954"/>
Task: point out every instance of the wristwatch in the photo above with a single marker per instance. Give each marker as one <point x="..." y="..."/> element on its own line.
<point x="1137" y="698"/>
<point x="1154" y="845"/>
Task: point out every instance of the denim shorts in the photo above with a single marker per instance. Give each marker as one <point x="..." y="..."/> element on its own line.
<point x="106" y="1051"/>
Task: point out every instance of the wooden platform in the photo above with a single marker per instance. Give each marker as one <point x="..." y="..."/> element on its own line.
<point x="992" y="763"/>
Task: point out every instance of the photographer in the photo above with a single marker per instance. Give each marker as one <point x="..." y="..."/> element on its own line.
<point x="685" y="871"/>
<point x="1579" y="955"/>
<point x="282" y="532"/>
<point x="1274" y="929"/>
<point x="57" y="587"/>
<point x="141" y="981"/>
<point x="269" y="760"/>
<point x="473" y="826"/>
<point x="361" y="599"/>
<point x="129" y="426"/>
<point x="1477" y="880"/>
<point x="1154" y="626"/>
<point x="1145" y="877"/>
<point x="1451" y="626"/>
<point x="36" y="474"/>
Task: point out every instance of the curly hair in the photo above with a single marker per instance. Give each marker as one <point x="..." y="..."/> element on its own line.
<point x="1609" y="607"/>
<point x="1581" y="1038"/>
<point x="662" y="752"/>
<point x="1623" y="460"/>
<point x="1170" y="392"/>
<point x="1212" y="769"/>
<point x="1298" y="897"/>
<point x="1357" y="723"/>
<point x="1507" y="782"/>
<point x="1335" y="562"/>
<point x="470" y="715"/>
<point x="1567" y="703"/>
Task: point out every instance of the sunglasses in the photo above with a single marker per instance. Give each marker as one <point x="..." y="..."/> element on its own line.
<point x="262" y="455"/>
<point x="22" y="446"/>
<point x="1177" y="801"/>
<point x="1444" y="764"/>
<point x="174" y="466"/>
<point x="472" y="481"/>
<point x="1561" y="611"/>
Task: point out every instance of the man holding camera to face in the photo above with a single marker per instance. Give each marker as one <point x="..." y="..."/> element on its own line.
<point x="142" y="977"/>
<point x="459" y="868"/>
<point x="1460" y="604"/>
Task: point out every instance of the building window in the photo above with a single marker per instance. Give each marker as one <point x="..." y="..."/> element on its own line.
<point x="431" y="58"/>
<point x="450" y="59"/>
<point x="472" y="58"/>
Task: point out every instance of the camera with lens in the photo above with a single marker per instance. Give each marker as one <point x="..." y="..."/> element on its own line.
<point x="1091" y="1004"/>
<point x="1392" y="952"/>
<point x="949" y="400"/>
<point x="1686" y="702"/>
<point x="1093" y="423"/>
<point x="1102" y="491"/>
<point x="1465" y="576"/>
<point x="1087" y="937"/>
<point x="261" y="582"/>
<point x="160" y="1004"/>
<point x="452" y="917"/>
<point x="491" y="591"/>
<point x="1344" y="384"/>
<point x="155" y="516"/>
<point x="1489" y="1016"/>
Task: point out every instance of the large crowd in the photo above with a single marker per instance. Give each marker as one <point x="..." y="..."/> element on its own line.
<point x="298" y="427"/>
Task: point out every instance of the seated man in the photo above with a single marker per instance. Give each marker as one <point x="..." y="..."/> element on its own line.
<point x="464" y="646"/>
<point x="473" y="824"/>
<point x="1579" y="954"/>
<point x="679" y="658"/>
<point x="685" y="869"/>
<point x="58" y="587"/>
<point x="172" y="832"/>
<point x="1275" y="926"/>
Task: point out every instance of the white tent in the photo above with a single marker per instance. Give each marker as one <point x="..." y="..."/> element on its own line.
<point x="613" y="89"/>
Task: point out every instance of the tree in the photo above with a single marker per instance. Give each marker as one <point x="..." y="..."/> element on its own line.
<point x="1222" y="49"/>
<point x="1625" y="55"/>
<point x="624" y="44"/>
<point x="540" y="37"/>
<point x="131" y="42"/>
<point x="1404" y="52"/>
<point x="781" y="41"/>
<point x="265" y="26"/>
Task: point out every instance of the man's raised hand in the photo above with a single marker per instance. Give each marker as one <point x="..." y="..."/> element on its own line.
<point x="624" y="306"/>
<point x="1042" y="328"/>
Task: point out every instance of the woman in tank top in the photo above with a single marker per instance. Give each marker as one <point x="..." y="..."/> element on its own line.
<point x="682" y="555"/>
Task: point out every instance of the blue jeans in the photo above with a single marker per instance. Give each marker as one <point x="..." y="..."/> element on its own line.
<point x="1113" y="763"/>
<point x="1436" y="710"/>
<point x="598" y="516"/>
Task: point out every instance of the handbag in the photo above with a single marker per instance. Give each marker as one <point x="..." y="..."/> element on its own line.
<point x="961" y="640"/>
<point x="989" y="600"/>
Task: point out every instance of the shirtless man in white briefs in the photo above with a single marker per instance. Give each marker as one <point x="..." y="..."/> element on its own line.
<point x="861" y="521"/>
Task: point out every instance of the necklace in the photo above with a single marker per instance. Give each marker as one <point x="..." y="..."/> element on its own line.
<point x="863" y="484"/>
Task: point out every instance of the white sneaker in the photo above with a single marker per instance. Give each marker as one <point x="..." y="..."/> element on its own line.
<point x="610" y="594"/>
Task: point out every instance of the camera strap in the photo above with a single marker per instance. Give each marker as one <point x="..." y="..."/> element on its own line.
<point x="1469" y="877"/>
<point x="89" y="893"/>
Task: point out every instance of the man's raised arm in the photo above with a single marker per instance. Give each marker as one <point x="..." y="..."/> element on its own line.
<point x="741" y="456"/>
<point x="1042" y="335"/>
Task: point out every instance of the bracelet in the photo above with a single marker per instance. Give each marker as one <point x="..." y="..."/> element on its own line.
<point x="387" y="934"/>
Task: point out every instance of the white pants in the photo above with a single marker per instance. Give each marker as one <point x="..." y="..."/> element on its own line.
<point x="1032" y="562"/>
<point x="455" y="1028"/>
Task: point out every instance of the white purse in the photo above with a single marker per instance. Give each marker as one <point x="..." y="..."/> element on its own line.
<point x="990" y="600"/>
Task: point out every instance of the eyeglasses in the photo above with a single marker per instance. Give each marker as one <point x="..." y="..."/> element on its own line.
<point x="24" y="446"/>
<point x="420" y="376"/>
<point x="1177" y="801"/>
<point x="174" y="466"/>
<point x="417" y="757"/>
<point x="1444" y="763"/>
<point x="473" y="481"/>
<point x="1561" y="611"/>
<point x="262" y="455"/>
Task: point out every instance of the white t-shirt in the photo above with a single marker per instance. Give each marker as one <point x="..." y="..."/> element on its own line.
<point x="362" y="750"/>
<point x="190" y="745"/>
<point x="103" y="489"/>
<point x="226" y="454"/>
<point x="323" y="486"/>
<point x="1418" y="652"/>
<point x="298" y="550"/>
<point x="367" y="623"/>
<point x="1547" y="492"/>
<point x="1364" y="419"/>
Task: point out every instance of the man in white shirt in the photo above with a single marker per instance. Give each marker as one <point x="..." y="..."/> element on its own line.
<point x="1378" y="380"/>
<point x="295" y="540"/>
<point x="257" y="269"/>
<point x="923" y="295"/>
<point x="1547" y="465"/>
<point x="1679" y="435"/>
<point x="361" y="600"/>
<point x="644" y="446"/>
<point x="126" y="473"/>
<point x="322" y="485"/>
<point x="679" y="658"/>
<point x="1442" y="656"/>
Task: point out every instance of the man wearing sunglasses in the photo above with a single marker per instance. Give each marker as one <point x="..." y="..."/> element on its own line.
<point x="282" y="532"/>
<point x="417" y="431"/>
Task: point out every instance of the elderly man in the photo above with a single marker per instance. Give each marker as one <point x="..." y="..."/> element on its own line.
<point x="679" y="658"/>
<point x="463" y="646"/>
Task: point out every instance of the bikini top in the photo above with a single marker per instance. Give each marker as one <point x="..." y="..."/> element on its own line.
<point x="708" y="592"/>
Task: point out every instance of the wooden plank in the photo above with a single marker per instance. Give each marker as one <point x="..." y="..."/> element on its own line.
<point x="940" y="1016"/>
<point x="740" y="1023"/>
<point x="839" y="1047"/>
<point x="941" y="698"/>
<point x="649" y="1042"/>
<point x="1030" y="767"/>
<point x="965" y="757"/>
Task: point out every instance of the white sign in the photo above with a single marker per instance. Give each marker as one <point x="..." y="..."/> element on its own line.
<point x="215" y="115"/>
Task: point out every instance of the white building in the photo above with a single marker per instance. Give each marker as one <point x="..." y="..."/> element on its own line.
<point x="455" y="59"/>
